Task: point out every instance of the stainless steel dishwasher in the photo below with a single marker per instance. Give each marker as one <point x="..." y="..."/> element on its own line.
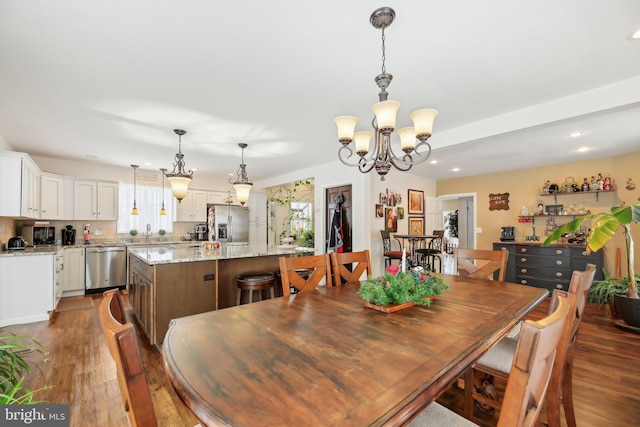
<point x="105" y="268"/>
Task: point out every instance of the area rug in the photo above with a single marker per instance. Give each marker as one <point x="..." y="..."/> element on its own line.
<point x="73" y="303"/>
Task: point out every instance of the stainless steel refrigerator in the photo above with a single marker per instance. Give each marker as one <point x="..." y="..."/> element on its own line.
<point x="227" y="223"/>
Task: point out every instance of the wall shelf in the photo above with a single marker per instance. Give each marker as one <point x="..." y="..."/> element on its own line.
<point x="531" y="218"/>
<point x="597" y="193"/>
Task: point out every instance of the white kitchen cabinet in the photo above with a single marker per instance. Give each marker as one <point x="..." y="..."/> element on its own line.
<point x="220" y="197"/>
<point x="51" y="196"/>
<point x="73" y="271"/>
<point x="193" y="207"/>
<point x="257" y="205"/>
<point x="59" y="265"/>
<point x="95" y="200"/>
<point x="27" y="286"/>
<point x="19" y="192"/>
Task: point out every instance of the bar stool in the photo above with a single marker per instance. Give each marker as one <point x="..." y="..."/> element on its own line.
<point x="254" y="282"/>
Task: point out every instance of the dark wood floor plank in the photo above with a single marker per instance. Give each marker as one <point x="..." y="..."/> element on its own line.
<point x="606" y="378"/>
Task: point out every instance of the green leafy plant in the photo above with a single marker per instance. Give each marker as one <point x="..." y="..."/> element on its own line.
<point x="603" y="291"/>
<point x="604" y="226"/>
<point x="162" y="232"/>
<point x="402" y="287"/>
<point x="133" y="232"/>
<point x="451" y="223"/>
<point x="14" y="368"/>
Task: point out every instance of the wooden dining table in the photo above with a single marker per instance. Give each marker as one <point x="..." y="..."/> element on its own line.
<point x="323" y="359"/>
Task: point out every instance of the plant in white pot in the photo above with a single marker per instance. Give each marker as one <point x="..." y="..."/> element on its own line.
<point x="604" y="226"/>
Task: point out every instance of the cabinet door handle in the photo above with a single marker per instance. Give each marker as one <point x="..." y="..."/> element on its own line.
<point x="523" y="260"/>
<point x="558" y="262"/>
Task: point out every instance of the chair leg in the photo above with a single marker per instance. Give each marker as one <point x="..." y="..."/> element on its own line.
<point x="567" y="396"/>
<point x="239" y="296"/>
<point x="271" y="291"/>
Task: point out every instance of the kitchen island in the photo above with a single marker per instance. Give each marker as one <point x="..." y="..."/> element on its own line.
<point x="171" y="281"/>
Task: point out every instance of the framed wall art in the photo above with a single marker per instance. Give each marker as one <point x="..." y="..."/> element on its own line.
<point x="390" y="220"/>
<point x="416" y="202"/>
<point x="379" y="211"/>
<point x="400" y="212"/>
<point x="416" y="226"/>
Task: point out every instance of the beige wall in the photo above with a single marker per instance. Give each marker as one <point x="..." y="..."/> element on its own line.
<point x="524" y="187"/>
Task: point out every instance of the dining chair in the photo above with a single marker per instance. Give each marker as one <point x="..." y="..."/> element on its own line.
<point x="360" y="263"/>
<point x="496" y="362"/>
<point x="531" y="369"/>
<point x="496" y="261"/>
<point x="387" y="250"/>
<point x="317" y="267"/>
<point x="432" y="252"/>
<point x="123" y="346"/>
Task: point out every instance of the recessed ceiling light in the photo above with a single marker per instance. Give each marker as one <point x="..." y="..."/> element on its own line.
<point x="636" y="35"/>
<point x="576" y="134"/>
<point x="583" y="149"/>
<point x="434" y="161"/>
<point x="148" y="164"/>
<point x="455" y="170"/>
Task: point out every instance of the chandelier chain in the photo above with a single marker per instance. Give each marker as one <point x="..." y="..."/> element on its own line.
<point x="384" y="69"/>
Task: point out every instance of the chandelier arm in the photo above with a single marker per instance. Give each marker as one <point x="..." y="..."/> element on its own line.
<point x="414" y="158"/>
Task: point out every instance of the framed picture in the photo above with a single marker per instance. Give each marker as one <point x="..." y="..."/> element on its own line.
<point x="390" y="220"/>
<point x="379" y="211"/>
<point x="391" y="199"/>
<point x="416" y="202"/>
<point x="416" y="226"/>
<point x="400" y="212"/>
<point x="383" y="198"/>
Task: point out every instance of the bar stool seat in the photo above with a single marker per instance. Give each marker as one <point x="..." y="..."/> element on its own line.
<point x="254" y="282"/>
<point x="303" y="272"/>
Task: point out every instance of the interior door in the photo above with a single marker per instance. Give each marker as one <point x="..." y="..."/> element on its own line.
<point x="338" y="199"/>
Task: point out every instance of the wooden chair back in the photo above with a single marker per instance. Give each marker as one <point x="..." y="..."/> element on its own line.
<point x="123" y="346"/>
<point x="560" y="386"/>
<point x="532" y="366"/>
<point x="320" y="268"/>
<point x="360" y="264"/>
<point x="496" y="261"/>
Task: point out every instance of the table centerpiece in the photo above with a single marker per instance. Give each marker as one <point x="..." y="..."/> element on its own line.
<point x="399" y="289"/>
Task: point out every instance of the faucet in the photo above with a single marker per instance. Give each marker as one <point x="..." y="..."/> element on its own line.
<point x="148" y="236"/>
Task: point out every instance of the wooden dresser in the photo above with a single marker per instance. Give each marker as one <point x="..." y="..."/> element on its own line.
<point x="547" y="267"/>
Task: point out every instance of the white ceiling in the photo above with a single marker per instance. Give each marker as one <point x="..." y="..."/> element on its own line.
<point x="510" y="78"/>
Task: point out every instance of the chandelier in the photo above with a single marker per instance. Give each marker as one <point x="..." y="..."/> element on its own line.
<point x="179" y="179"/>
<point x="134" y="211"/>
<point x="242" y="183"/>
<point x="384" y="123"/>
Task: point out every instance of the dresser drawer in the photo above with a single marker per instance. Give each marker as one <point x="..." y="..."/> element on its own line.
<point x="550" y="273"/>
<point x="542" y="261"/>
<point x="543" y="250"/>
<point x="543" y="283"/>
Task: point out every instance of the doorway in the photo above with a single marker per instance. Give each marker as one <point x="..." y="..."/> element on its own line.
<point x="338" y="213"/>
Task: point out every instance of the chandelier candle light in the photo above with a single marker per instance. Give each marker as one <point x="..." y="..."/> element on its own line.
<point x="242" y="184"/>
<point x="163" y="211"/>
<point x="384" y="123"/>
<point x="179" y="179"/>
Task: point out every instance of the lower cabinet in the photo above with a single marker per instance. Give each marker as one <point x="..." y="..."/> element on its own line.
<point x="73" y="271"/>
<point x="549" y="267"/>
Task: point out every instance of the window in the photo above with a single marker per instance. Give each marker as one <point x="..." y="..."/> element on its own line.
<point x="301" y="217"/>
<point x="149" y="202"/>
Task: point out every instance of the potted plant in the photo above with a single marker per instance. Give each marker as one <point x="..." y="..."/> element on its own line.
<point x="604" y="291"/>
<point x="400" y="289"/>
<point x="14" y="368"/>
<point x="133" y="232"/>
<point x="604" y="226"/>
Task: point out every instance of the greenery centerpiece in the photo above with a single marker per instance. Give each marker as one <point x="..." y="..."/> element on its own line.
<point x="398" y="287"/>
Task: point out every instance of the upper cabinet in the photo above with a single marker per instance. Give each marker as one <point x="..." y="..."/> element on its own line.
<point x="95" y="200"/>
<point x="20" y="190"/>
<point x="257" y="205"/>
<point x="51" y="196"/>
<point x="220" y="197"/>
<point x="193" y="207"/>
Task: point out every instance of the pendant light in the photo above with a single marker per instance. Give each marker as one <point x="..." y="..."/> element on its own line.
<point x="179" y="179"/>
<point x="242" y="183"/>
<point x="163" y="210"/>
<point x="134" y="211"/>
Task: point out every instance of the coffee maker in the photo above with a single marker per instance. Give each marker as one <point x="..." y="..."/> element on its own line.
<point x="69" y="235"/>
<point x="200" y="232"/>
<point x="508" y="234"/>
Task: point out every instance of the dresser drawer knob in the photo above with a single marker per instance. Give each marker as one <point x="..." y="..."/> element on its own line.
<point x="585" y="253"/>
<point x="558" y="274"/>
<point x="523" y="260"/>
<point x="558" y="262"/>
<point x="558" y="251"/>
<point x="523" y="250"/>
<point x="523" y="270"/>
<point x="524" y="282"/>
<point x="558" y="286"/>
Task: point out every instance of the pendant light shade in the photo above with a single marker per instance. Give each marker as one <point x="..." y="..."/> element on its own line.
<point x="134" y="211"/>
<point x="163" y="211"/>
<point x="242" y="184"/>
<point x="179" y="179"/>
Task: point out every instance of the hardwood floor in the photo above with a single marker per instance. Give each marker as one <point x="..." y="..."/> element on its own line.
<point x="606" y="375"/>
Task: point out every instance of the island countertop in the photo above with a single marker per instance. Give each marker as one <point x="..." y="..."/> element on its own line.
<point x="171" y="254"/>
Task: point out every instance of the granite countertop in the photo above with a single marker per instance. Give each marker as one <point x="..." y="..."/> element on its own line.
<point x="170" y="254"/>
<point x="40" y="250"/>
